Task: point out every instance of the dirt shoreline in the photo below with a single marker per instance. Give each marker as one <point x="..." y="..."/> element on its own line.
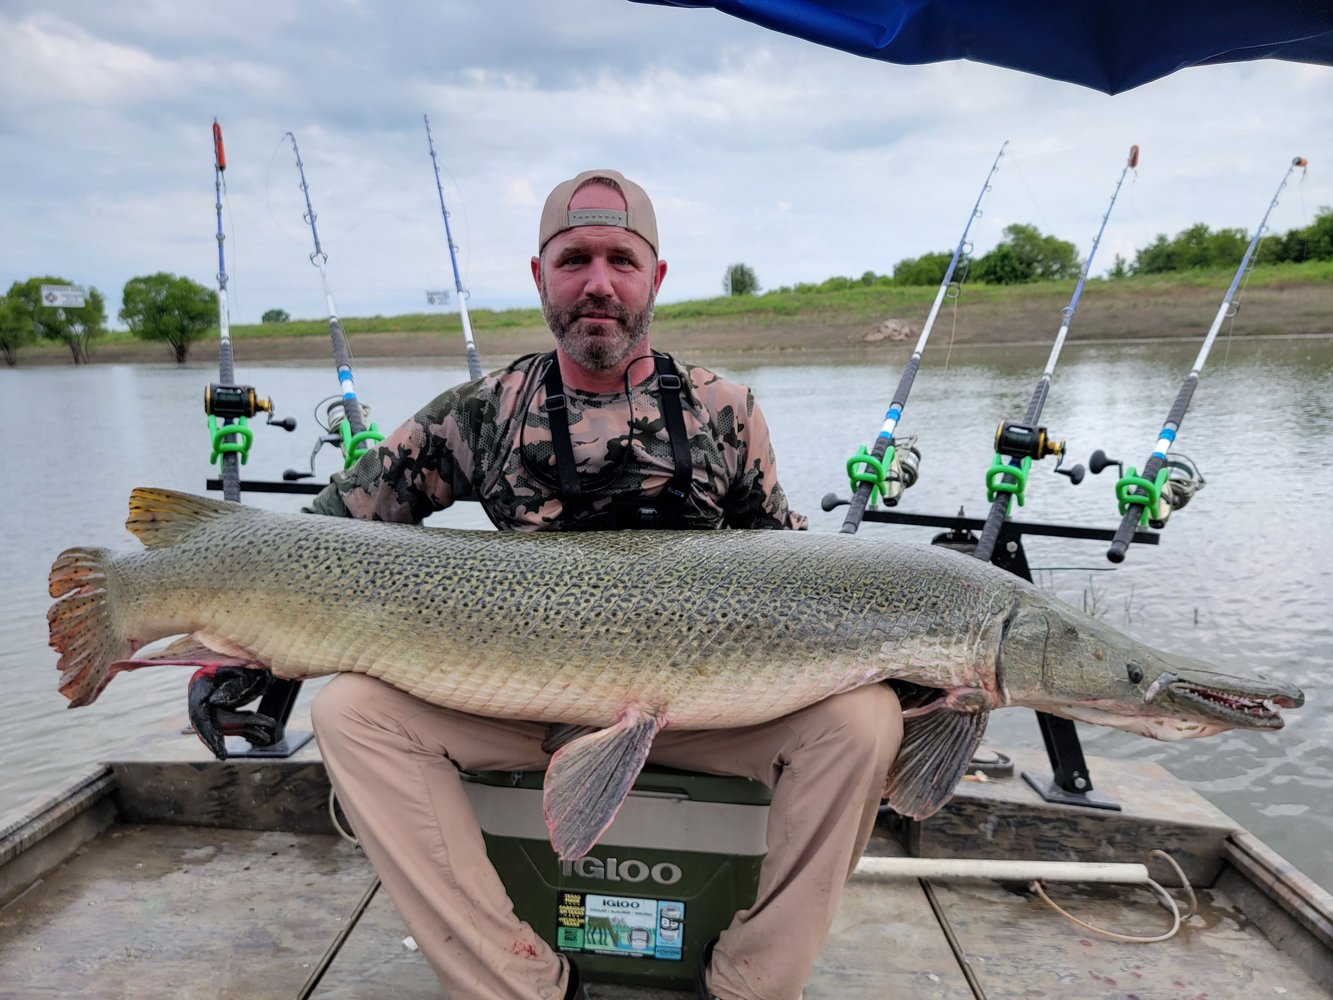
<point x="1184" y="314"/>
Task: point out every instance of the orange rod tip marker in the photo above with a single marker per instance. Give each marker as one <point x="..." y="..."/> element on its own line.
<point x="219" y="153"/>
<point x="1133" y="156"/>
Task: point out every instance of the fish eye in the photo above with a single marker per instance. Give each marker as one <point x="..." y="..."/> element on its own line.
<point x="1135" y="673"/>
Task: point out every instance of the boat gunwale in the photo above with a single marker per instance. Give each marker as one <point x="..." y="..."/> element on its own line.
<point x="1296" y="917"/>
<point x="38" y="837"/>
<point x="1285" y="885"/>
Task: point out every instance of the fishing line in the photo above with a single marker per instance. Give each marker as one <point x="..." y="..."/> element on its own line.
<point x="268" y="193"/>
<point x="1019" y="444"/>
<point x="1143" y="223"/>
<point x="1032" y="195"/>
<point x="461" y="202"/>
<point x="1149" y="499"/>
<point x="964" y="266"/>
<point x="227" y="447"/>
<point x="872" y="471"/>
<point x="229" y="406"/>
<point x="473" y="361"/>
<point x="1304" y="215"/>
<point x="953" y="332"/>
<point x="231" y="226"/>
<point x="352" y="425"/>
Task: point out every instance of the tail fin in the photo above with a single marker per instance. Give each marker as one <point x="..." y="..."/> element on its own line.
<point x="83" y="626"/>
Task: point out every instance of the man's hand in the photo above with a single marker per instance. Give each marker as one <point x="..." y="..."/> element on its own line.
<point x="215" y="694"/>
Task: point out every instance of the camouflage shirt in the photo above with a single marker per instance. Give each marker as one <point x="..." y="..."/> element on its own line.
<point x="490" y="440"/>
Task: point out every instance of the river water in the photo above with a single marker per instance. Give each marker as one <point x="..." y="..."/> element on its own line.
<point x="1242" y="577"/>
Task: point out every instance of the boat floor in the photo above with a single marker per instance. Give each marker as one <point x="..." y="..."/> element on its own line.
<point x="160" y="911"/>
<point x="168" y="874"/>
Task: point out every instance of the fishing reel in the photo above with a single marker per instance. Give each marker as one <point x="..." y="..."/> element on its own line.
<point x="229" y="409"/>
<point x="335" y="415"/>
<point x="1015" y="440"/>
<point x="1177" y="488"/>
<point x="233" y="401"/>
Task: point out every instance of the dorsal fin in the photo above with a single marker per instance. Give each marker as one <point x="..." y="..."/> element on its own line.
<point x="163" y="517"/>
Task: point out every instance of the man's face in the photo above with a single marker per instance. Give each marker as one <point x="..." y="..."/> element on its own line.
<point x="597" y="286"/>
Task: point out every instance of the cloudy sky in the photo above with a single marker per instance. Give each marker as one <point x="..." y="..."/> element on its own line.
<point x="801" y="161"/>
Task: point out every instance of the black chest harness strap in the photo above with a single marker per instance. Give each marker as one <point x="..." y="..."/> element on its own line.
<point x="633" y="511"/>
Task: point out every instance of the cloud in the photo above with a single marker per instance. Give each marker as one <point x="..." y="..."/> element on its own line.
<point x="800" y="161"/>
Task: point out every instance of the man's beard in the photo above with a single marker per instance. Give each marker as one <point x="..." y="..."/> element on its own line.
<point x="606" y="348"/>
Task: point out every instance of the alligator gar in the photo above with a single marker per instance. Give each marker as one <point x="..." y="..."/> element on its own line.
<point x="625" y="632"/>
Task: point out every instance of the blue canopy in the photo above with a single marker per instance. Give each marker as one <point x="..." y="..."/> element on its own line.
<point x="1109" y="45"/>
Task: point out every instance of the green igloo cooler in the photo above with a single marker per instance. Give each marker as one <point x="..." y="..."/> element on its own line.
<point x="680" y="859"/>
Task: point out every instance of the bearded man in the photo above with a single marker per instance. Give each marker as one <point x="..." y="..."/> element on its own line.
<point x="601" y="433"/>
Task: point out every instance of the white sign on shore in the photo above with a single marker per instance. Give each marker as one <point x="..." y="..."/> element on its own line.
<point x="437" y="298"/>
<point x="64" y="296"/>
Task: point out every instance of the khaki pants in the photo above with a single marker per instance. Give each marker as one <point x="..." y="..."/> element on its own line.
<point x="394" y="762"/>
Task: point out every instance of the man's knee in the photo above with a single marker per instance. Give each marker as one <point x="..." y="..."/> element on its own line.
<point x="343" y="699"/>
<point x="867" y="720"/>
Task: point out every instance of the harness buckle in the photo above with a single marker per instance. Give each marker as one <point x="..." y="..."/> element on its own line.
<point x="556" y="402"/>
<point x="669" y="381"/>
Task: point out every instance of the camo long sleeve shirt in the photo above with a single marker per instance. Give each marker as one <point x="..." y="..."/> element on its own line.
<point x="490" y="440"/>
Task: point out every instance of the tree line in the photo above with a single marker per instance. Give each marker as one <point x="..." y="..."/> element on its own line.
<point x="156" y="307"/>
<point x="177" y="311"/>
<point x="1026" y="255"/>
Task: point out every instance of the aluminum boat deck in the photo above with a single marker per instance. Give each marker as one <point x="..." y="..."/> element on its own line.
<point x="164" y="873"/>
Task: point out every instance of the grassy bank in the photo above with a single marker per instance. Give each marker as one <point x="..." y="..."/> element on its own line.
<point x="1292" y="299"/>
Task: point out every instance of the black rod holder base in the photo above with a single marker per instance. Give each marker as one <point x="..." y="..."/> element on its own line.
<point x="239" y="746"/>
<point x="1052" y="792"/>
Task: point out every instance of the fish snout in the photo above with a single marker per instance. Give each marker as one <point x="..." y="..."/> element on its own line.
<point x="1238" y="702"/>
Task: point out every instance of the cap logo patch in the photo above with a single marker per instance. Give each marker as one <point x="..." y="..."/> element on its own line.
<point x="598" y="217"/>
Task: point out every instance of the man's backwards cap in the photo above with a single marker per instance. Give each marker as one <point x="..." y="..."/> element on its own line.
<point x="638" y="216"/>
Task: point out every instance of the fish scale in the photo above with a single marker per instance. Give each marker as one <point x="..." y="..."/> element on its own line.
<point x="625" y="631"/>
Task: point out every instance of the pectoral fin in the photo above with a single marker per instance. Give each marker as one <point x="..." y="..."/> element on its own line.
<point x="589" y="778"/>
<point x="935" y="751"/>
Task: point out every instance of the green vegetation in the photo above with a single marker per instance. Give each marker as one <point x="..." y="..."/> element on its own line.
<point x="15" y="330"/>
<point x="1199" y="246"/>
<point x="1025" y="256"/>
<point x="1161" y="293"/>
<point x="275" y="316"/>
<point x="928" y="269"/>
<point x="169" y="308"/>
<point x="841" y="295"/>
<point x="72" y="327"/>
<point x="740" y="279"/>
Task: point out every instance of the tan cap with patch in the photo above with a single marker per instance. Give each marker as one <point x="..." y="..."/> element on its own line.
<point x="638" y="216"/>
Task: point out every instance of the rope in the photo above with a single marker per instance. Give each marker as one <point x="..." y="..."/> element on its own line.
<point x="341" y="830"/>
<point x="1163" y="896"/>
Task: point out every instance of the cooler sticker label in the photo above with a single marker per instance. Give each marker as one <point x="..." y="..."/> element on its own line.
<point x="626" y="926"/>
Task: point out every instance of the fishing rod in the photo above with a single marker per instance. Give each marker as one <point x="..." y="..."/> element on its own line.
<point x="473" y="362"/>
<point x="230" y="406"/>
<point x="1167" y="485"/>
<point x="871" y="471"/>
<point x="1021" y="443"/>
<point x="347" y="414"/>
<point x="215" y="694"/>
